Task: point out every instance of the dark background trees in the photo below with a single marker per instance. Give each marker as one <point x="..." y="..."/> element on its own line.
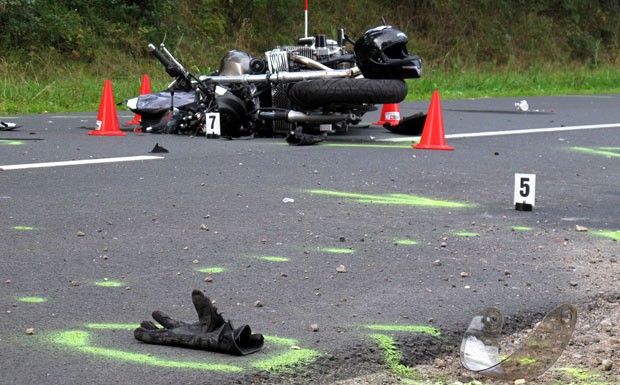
<point x="447" y="33"/>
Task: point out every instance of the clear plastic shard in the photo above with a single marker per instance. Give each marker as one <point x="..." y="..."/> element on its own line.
<point x="480" y="349"/>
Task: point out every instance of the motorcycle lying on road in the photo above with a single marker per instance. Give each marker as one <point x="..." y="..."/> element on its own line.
<point x="302" y="92"/>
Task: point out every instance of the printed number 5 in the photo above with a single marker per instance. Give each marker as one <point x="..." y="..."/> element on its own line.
<point x="525" y="187"/>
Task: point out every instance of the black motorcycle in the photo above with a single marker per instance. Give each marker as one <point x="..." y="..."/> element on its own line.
<point x="302" y="92"/>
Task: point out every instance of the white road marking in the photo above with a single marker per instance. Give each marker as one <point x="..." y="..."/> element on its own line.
<point x="78" y="162"/>
<point x="509" y="132"/>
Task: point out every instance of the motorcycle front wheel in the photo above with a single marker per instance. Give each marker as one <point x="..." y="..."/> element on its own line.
<point x="322" y="92"/>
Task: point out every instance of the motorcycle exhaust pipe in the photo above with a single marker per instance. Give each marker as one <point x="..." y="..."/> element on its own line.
<point x="287" y="77"/>
<point x="296" y="117"/>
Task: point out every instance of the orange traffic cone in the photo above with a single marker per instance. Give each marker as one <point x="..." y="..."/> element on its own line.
<point x="145" y="88"/>
<point x="432" y="136"/>
<point x="390" y="113"/>
<point x="107" y="119"/>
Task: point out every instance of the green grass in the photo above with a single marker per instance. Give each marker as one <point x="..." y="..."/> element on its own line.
<point x="534" y="81"/>
<point x="75" y="88"/>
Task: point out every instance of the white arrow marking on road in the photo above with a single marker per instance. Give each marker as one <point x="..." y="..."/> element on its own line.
<point x="510" y="132"/>
<point x="78" y="162"/>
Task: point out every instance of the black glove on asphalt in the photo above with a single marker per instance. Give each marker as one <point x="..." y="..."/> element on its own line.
<point x="211" y="332"/>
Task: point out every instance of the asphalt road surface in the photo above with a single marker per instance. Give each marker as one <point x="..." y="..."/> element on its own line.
<point x="319" y="248"/>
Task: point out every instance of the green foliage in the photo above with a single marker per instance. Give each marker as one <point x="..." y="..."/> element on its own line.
<point x="447" y="33"/>
<point x="51" y="50"/>
<point x="78" y="29"/>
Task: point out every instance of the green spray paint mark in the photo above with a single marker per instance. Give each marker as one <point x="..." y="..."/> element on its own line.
<point x="4" y="142"/>
<point x="111" y="326"/>
<point x="23" y="228"/>
<point x="604" y="151"/>
<point x="615" y="235"/>
<point x="72" y="338"/>
<point x="272" y="258"/>
<point x="577" y="373"/>
<point x="406" y="328"/>
<point x="360" y="145"/>
<point x="521" y="228"/>
<point x="335" y="250"/>
<point x="32" y="299"/>
<point x="393" y="356"/>
<point x="280" y="340"/>
<point x="287" y="361"/>
<point x="392" y="199"/>
<point x="407" y="242"/>
<point x="110" y="283"/>
<point x="80" y="340"/>
<point x="211" y="270"/>
<point x="466" y="234"/>
<point x="526" y="361"/>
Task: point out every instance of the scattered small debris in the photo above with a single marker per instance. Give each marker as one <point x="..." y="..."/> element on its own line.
<point x="29" y="331"/>
<point x="437" y="262"/>
<point x="204" y="227"/>
<point x="7" y="281"/>
<point x="522" y="105"/>
<point x="580" y="228"/>
<point x="258" y="304"/>
<point x="6" y="126"/>
<point x="464" y="274"/>
<point x="341" y="269"/>
<point x="209" y="279"/>
<point x="158" y="149"/>
<point x="80" y="234"/>
<point x="314" y="327"/>
<point x="288" y="200"/>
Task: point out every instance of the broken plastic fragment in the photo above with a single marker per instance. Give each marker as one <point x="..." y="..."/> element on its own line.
<point x="522" y="105"/>
<point x="480" y="346"/>
<point x="6" y="126"/>
<point x="158" y="149"/>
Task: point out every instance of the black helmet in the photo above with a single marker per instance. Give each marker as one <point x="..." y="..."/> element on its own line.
<point x="381" y="53"/>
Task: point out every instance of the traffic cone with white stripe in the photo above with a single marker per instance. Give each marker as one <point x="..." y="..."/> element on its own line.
<point x="107" y="119"/>
<point x="432" y="136"/>
<point x="390" y="114"/>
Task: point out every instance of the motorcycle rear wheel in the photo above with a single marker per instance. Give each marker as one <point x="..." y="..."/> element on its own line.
<point x="322" y="92"/>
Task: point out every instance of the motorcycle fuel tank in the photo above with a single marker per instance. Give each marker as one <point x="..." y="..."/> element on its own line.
<point x="235" y="63"/>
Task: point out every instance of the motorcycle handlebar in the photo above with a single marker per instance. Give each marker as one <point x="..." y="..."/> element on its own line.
<point x="160" y="56"/>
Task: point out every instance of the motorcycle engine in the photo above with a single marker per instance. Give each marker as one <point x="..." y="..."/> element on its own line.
<point x="319" y="48"/>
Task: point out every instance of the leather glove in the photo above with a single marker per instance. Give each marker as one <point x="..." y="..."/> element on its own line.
<point x="210" y="333"/>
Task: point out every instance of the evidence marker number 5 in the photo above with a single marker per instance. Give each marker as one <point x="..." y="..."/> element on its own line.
<point x="525" y="189"/>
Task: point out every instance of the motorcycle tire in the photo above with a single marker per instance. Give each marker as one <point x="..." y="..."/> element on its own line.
<point x="322" y="92"/>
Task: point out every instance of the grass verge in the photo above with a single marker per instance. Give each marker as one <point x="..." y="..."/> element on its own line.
<point x="73" y="88"/>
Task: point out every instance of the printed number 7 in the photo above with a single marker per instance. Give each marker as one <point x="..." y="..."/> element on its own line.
<point x="212" y="118"/>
